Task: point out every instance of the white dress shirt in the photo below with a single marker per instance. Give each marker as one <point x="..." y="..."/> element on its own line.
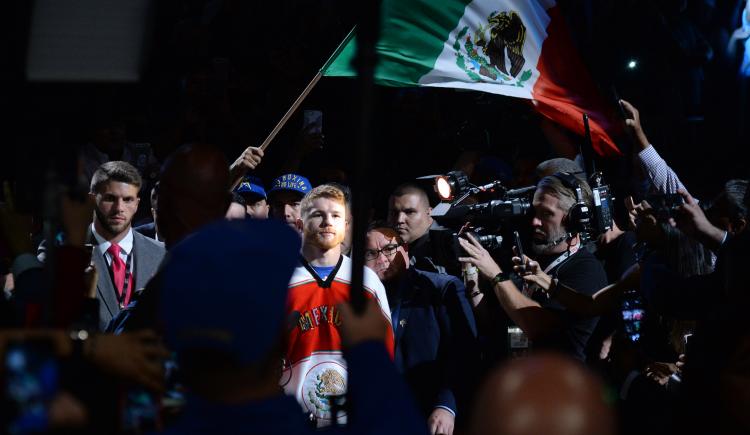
<point x="126" y="246"/>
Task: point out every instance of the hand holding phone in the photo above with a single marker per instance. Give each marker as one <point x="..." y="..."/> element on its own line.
<point x="632" y="313"/>
<point x="665" y="205"/>
<point x="519" y="245"/>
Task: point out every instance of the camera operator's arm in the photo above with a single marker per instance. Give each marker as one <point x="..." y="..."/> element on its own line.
<point x="475" y="295"/>
<point x="582" y="304"/>
<point x="525" y="312"/>
<point x="661" y="176"/>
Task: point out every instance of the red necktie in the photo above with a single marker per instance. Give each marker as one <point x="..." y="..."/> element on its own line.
<point x="118" y="273"/>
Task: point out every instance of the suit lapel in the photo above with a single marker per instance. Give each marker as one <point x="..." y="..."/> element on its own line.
<point x="104" y="286"/>
<point x="137" y="263"/>
<point x="406" y="292"/>
<point x="146" y="261"/>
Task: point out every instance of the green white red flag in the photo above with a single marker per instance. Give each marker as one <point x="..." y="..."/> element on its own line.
<point x="517" y="48"/>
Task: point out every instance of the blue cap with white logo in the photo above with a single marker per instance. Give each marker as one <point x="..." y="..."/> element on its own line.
<point x="292" y="182"/>
<point x="251" y="185"/>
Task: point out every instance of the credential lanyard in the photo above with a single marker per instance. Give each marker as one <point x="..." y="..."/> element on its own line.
<point x="565" y="255"/>
<point x="123" y="298"/>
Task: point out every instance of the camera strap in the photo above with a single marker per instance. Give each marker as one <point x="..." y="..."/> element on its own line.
<point x="564" y="256"/>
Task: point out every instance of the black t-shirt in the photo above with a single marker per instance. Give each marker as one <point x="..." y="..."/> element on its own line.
<point x="583" y="273"/>
<point x="618" y="256"/>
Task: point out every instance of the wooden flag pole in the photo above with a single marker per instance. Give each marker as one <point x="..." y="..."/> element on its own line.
<point x="365" y="63"/>
<point x="305" y="92"/>
<point x="293" y="108"/>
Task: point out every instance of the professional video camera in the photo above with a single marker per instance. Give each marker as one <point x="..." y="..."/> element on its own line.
<point x="486" y="221"/>
<point x="590" y="224"/>
<point x="600" y="221"/>
<point x="603" y="209"/>
<point x="489" y="220"/>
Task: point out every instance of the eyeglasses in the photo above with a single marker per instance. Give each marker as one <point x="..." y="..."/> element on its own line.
<point x="388" y="250"/>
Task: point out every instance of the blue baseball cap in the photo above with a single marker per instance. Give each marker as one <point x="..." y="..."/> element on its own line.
<point x="292" y="182"/>
<point x="251" y="185"/>
<point x="207" y="304"/>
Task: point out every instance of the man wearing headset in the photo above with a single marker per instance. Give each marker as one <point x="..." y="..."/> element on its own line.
<point x="562" y="208"/>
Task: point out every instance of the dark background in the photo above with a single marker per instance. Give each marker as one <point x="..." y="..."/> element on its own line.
<point x="686" y="85"/>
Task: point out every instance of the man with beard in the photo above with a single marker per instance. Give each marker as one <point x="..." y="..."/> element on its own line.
<point x="557" y="244"/>
<point x="125" y="259"/>
<point x="433" y="324"/>
<point x="315" y="370"/>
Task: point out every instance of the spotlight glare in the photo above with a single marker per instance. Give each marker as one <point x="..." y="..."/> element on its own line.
<point x="443" y="188"/>
<point x="632" y="64"/>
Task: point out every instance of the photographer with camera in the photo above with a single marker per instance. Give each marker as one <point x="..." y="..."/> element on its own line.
<point x="560" y="206"/>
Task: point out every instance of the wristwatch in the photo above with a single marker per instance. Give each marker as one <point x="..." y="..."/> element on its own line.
<point x="500" y="277"/>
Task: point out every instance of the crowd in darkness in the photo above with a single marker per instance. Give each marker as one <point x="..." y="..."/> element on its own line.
<point x="162" y="273"/>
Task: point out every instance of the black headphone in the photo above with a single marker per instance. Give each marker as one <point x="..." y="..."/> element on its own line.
<point x="577" y="220"/>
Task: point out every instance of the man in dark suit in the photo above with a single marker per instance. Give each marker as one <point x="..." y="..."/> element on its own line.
<point x="433" y="325"/>
<point x="125" y="259"/>
<point x="149" y="229"/>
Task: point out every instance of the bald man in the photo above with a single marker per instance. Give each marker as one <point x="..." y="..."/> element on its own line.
<point x="409" y="213"/>
<point x="544" y="394"/>
<point x="193" y="191"/>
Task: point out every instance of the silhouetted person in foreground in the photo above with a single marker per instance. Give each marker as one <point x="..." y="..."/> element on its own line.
<point x="544" y="394"/>
<point x="193" y="191"/>
<point x="231" y="361"/>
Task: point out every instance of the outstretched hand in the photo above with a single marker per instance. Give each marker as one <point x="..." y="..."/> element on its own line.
<point x="441" y="422"/>
<point x="643" y="221"/>
<point x="633" y="125"/>
<point x="692" y="221"/>
<point x="660" y="372"/>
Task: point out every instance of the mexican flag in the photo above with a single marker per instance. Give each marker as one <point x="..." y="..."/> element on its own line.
<point x="518" y="48"/>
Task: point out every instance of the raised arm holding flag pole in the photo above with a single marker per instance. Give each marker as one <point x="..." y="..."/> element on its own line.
<point x="514" y="48"/>
<point x="251" y="156"/>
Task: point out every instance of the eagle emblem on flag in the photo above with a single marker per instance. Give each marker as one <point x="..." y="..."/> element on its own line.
<point x="494" y="51"/>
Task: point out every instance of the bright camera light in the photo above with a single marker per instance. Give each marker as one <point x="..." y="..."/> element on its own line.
<point x="444" y="188"/>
